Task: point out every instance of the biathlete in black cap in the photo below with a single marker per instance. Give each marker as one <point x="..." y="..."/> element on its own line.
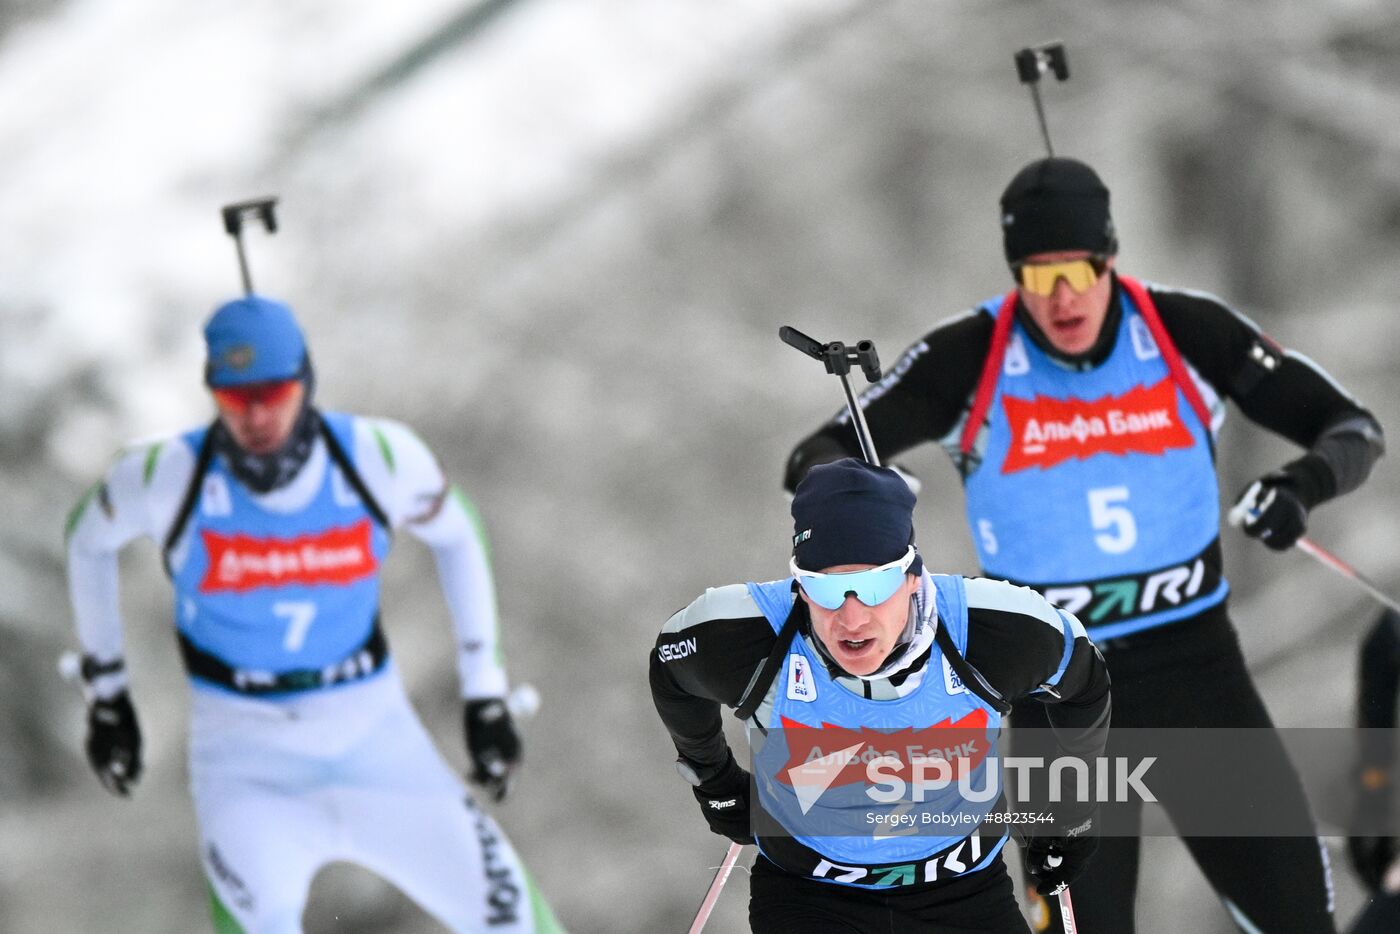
<point x="1081" y="410"/>
<point x="863" y="660"/>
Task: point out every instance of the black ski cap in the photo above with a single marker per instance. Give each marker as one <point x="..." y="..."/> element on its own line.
<point x="851" y="512"/>
<point x="1056" y="204"/>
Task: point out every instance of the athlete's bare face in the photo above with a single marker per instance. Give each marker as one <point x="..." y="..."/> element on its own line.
<point x="1070" y="320"/>
<point x="260" y="417"/>
<point x="861" y="637"/>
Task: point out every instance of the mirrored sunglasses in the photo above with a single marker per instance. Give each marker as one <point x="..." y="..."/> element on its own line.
<point x="238" y="399"/>
<point x="1040" y="278"/>
<point x="872" y="586"/>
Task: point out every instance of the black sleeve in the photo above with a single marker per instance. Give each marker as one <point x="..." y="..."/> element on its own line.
<point x="706" y="656"/>
<point x="1016" y="639"/>
<point x="1277" y="389"/>
<point x="921" y="398"/>
<point x="1379" y="691"/>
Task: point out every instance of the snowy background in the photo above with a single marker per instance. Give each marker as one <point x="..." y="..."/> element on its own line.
<point x="558" y="237"/>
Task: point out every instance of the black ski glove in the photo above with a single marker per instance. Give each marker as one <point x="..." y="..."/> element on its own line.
<point x="493" y="745"/>
<point x="723" y="794"/>
<point x="1272" y="510"/>
<point x="114" y="743"/>
<point x="1061" y="855"/>
<point x="1370" y="846"/>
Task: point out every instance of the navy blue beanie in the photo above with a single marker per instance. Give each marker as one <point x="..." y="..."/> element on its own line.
<point x="850" y="512"/>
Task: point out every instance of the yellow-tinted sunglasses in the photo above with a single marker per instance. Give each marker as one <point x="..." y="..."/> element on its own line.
<point x="1040" y="278"/>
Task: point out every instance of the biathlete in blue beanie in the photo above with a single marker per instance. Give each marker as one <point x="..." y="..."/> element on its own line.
<point x="274" y="522"/>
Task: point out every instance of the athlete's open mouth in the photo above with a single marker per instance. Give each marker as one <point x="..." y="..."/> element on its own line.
<point x="854" y="645"/>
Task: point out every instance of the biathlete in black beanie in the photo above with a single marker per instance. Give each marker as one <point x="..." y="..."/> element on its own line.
<point x="1080" y="410"/>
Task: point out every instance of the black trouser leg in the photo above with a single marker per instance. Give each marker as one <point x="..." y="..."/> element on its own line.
<point x="1382" y="916"/>
<point x="1192" y="674"/>
<point x="1278" y="885"/>
<point x="1270" y="884"/>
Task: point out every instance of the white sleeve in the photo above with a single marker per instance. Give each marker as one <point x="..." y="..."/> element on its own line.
<point x="405" y="478"/>
<point x="137" y="496"/>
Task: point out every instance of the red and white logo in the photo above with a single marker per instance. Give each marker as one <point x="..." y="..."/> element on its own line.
<point x="826" y="756"/>
<point x="241" y="562"/>
<point x="1046" y="431"/>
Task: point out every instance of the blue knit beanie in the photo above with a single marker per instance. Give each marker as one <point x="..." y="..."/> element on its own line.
<point x="253" y="340"/>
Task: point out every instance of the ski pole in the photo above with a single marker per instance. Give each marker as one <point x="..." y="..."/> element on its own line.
<point x="1251" y="506"/>
<point x="1062" y="893"/>
<point x="1033" y="62"/>
<point x="263" y="210"/>
<point x="70" y="669"/>
<point x="838" y="359"/>
<point x="1067" y="912"/>
<point x="1309" y="547"/>
<point x="716" y="885"/>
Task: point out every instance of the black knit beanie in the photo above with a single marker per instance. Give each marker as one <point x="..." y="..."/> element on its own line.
<point x="1054" y="205"/>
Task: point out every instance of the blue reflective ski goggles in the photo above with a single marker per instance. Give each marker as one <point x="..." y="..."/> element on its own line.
<point x="872" y="586"/>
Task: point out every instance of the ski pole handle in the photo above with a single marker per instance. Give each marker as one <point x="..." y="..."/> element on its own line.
<point x="1252" y="505"/>
<point x="1062" y="893"/>
<point x="523" y="701"/>
<point x="70" y="666"/>
<point x="85" y="672"/>
<point x="70" y="669"/>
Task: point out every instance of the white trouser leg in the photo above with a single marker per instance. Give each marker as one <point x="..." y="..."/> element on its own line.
<point x="281" y="789"/>
<point x="261" y="775"/>
<point x="410" y="819"/>
<point x="260" y="850"/>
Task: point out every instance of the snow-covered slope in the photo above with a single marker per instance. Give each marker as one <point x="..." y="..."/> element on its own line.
<point x="559" y="236"/>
